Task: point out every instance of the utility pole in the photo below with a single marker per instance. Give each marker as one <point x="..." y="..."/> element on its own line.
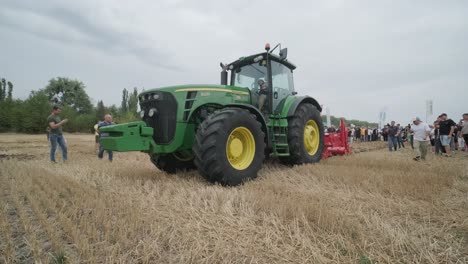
<point x="429" y="106"/>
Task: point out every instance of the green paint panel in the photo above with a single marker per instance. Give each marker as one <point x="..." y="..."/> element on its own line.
<point x="288" y="103"/>
<point x="134" y="136"/>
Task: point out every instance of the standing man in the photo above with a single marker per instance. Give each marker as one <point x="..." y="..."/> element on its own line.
<point x="464" y="130"/>
<point x="392" y="132"/>
<point x="410" y="136"/>
<point x="55" y="134"/>
<point x="357" y="134"/>
<point x="385" y="132"/>
<point x="107" y="122"/>
<point x="447" y="126"/>
<point x="399" y="136"/>
<point x="350" y="135"/>
<point x="96" y="135"/>
<point x="262" y="94"/>
<point x="436" y="136"/>
<point x="421" y="132"/>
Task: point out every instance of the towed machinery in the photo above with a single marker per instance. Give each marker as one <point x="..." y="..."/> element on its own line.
<point x="227" y="130"/>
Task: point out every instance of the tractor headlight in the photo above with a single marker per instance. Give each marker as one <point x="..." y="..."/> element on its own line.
<point x="142" y="113"/>
<point x="155" y="96"/>
<point x="152" y="111"/>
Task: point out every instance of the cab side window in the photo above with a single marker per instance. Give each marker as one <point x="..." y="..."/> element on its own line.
<point x="283" y="84"/>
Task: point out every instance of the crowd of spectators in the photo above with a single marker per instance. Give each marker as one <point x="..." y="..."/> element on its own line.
<point x="364" y="134"/>
<point x="443" y="135"/>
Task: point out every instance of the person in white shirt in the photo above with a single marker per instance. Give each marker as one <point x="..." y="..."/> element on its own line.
<point x="369" y="134"/>
<point x="421" y="132"/>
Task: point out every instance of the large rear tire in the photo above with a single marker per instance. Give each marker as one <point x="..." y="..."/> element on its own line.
<point x="305" y="136"/>
<point x="170" y="163"/>
<point x="229" y="147"/>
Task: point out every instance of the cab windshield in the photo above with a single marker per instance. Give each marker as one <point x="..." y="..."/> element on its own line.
<point x="249" y="75"/>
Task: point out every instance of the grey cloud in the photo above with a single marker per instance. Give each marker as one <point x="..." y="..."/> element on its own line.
<point x="357" y="57"/>
<point x="97" y="36"/>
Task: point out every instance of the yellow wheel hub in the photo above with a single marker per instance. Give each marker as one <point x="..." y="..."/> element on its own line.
<point x="311" y="137"/>
<point x="240" y="148"/>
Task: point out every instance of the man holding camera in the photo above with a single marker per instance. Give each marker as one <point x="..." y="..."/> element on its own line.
<point x="55" y="134"/>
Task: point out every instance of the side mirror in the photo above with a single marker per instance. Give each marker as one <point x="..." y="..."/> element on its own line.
<point x="283" y="53"/>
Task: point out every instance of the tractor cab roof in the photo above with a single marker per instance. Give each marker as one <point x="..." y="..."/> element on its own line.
<point x="242" y="61"/>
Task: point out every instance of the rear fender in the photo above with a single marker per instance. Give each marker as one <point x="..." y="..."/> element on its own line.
<point x="292" y="102"/>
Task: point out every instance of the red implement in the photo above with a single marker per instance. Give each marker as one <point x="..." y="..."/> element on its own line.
<point x="336" y="143"/>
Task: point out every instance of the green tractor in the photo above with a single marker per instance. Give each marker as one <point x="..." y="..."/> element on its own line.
<point x="226" y="131"/>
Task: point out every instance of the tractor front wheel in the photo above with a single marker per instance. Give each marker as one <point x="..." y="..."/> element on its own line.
<point x="229" y="147"/>
<point x="172" y="163"/>
<point x="305" y="136"/>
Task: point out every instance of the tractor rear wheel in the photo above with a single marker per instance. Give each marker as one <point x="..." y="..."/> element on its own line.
<point x="229" y="147"/>
<point x="305" y="136"/>
<point x="171" y="163"/>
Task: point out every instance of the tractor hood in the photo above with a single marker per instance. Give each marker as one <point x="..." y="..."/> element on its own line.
<point x="164" y="108"/>
<point x="177" y="103"/>
<point x="196" y="88"/>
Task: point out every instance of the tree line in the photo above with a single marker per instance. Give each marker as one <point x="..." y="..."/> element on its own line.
<point x="335" y="121"/>
<point x="30" y="115"/>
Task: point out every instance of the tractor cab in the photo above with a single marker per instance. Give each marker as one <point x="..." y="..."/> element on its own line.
<point x="269" y="78"/>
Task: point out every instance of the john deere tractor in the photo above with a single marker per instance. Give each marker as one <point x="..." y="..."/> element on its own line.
<point x="226" y="131"/>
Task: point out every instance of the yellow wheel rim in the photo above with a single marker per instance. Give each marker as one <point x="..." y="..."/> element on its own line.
<point x="311" y="137"/>
<point x="240" y="148"/>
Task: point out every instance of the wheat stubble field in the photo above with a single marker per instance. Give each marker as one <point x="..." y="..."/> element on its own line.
<point x="370" y="207"/>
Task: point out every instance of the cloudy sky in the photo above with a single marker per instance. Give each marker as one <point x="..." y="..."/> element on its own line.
<point x="355" y="57"/>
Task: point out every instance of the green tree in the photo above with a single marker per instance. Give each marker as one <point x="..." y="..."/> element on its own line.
<point x="335" y="121"/>
<point x="133" y="102"/>
<point x="100" y="110"/>
<point x="10" y="91"/>
<point x="7" y="107"/>
<point x="77" y="122"/>
<point x="34" y="112"/>
<point x="5" y="116"/>
<point x="124" y="104"/>
<point x="112" y="110"/>
<point x="2" y="90"/>
<point x="69" y="93"/>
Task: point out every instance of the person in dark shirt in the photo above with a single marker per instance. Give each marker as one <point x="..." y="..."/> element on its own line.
<point x="385" y="132"/>
<point x="436" y="138"/>
<point x="392" y="133"/>
<point x="454" y="141"/>
<point x="55" y="134"/>
<point x="357" y="132"/>
<point x="447" y="127"/>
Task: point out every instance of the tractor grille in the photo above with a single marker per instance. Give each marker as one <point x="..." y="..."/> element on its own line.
<point x="164" y="119"/>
